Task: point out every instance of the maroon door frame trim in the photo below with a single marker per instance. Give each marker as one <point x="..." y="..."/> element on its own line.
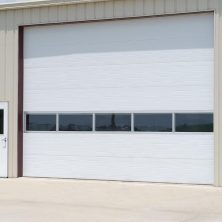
<point x="20" y="100"/>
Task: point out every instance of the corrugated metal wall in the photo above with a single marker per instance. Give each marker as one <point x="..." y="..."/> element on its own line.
<point x="11" y="19"/>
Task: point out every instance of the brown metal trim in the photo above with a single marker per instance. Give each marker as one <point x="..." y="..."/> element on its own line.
<point x="20" y="100"/>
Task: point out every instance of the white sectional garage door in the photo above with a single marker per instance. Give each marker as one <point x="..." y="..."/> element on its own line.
<point x="159" y="65"/>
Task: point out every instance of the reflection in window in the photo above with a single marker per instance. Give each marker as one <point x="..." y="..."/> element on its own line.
<point x="41" y="122"/>
<point x="1" y="121"/>
<point x="194" y="122"/>
<point x="153" y="122"/>
<point x="113" y="122"/>
<point x="75" y="122"/>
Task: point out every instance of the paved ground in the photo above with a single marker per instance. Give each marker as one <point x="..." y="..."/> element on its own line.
<point x="32" y="200"/>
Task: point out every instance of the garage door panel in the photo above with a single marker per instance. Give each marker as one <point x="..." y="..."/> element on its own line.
<point x="148" y="145"/>
<point x="144" y="75"/>
<point x="149" y="58"/>
<point x="159" y="64"/>
<point x="138" y="99"/>
<point x="135" y="169"/>
<point x="172" y="30"/>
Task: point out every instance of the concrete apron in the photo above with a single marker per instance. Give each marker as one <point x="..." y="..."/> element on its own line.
<point x="32" y="200"/>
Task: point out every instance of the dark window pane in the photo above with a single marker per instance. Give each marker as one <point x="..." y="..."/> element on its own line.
<point x="75" y="122"/>
<point x="41" y="122"/>
<point x="153" y="122"/>
<point x="1" y="121"/>
<point x="194" y="122"/>
<point x="113" y="122"/>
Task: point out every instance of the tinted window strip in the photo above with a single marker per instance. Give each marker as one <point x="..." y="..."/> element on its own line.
<point x="193" y="122"/>
<point x="119" y="122"/>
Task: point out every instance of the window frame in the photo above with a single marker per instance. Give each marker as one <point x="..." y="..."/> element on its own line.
<point x="93" y="113"/>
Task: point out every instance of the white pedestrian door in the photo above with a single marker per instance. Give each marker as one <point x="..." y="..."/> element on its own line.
<point x="3" y="139"/>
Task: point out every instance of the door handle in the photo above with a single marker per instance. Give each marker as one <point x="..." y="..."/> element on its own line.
<point x="5" y="141"/>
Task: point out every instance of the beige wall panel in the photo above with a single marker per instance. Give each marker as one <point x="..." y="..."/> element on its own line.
<point x="62" y="13"/>
<point x="35" y="15"/>
<point x="27" y="16"/>
<point x="217" y="102"/>
<point x="44" y="15"/>
<point x="213" y="4"/>
<point x="159" y="7"/>
<point x="90" y="11"/>
<point x="71" y="13"/>
<point x="9" y="85"/>
<point x="2" y="54"/>
<point x="53" y="14"/>
<point x="181" y="5"/>
<point x="169" y="6"/>
<point x="129" y="6"/>
<point x="202" y="4"/>
<point x="99" y="10"/>
<point x="109" y="9"/>
<point x="80" y="12"/>
<point x="148" y="7"/>
<point x="138" y="7"/>
<point x="218" y="94"/>
<point x="118" y="8"/>
<point x="192" y="5"/>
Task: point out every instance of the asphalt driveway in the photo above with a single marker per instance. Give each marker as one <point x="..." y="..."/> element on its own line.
<point x="32" y="200"/>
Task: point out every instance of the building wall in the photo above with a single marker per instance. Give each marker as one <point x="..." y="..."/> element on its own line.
<point x="11" y="19"/>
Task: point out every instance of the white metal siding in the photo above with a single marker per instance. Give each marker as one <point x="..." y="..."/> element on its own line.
<point x="161" y="64"/>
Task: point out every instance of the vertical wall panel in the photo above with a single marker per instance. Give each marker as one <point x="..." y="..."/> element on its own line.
<point x="53" y="14"/>
<point x="159" y="7"/>
<point x="90" y="11"/>
<point x="202" y="5"/>
<point x="180" y="5"/>
<point x="44" y="15"/>
<point x="218" y="94"/>
<point x="170" y="6"/>
<point x="129" y="6"/>
<point x="35" y="14"/>
<point x="217" y="102"/>
<point x="9" y="83"/>
<point x="71" y="13"/>
<point x="26" y="16"/>
<point x="213" y="4"/>
<point x="62" y="13"/>
<point x="2" y="54"/>
<point x="109" y="9"/>
<point x="139" y="7"/>
<point x="80" y="12"/>
<point x="148" y="7"/>
<point x="118" y="8"/>
<point x="99" y="10"/>
<point x="192" y="5"/>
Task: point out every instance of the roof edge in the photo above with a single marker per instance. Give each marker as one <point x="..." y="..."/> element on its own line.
<point x="42" y="3"/>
